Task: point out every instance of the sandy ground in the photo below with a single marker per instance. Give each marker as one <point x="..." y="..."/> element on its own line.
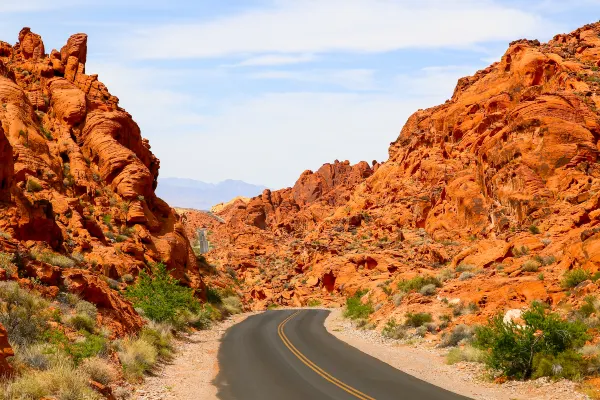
<point x="190" y="374"/>
<point x="429" y="364"/>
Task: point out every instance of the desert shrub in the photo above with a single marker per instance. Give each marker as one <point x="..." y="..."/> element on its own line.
<point x="467" y="353"/>
<point x="460" y="333"/>
<point x="464" y="267"/>
<point x="81" y="321"/>
<point x="568" y="364"/>
<point x="5" y="235"/>
<point x="417" y="319"/>
<point x="530" y="266"/>
<point x="232" y="305"/>
<point x="428" y="290"/>
<point x="545" y="260"/>
<point x="397" y="299"/>
<point x="137" y="357"/>
<point x="62" y="382"/>
<point x="160" y="337"/>
<point x="575" y="277"/>
<point x="86" y="308"/>
<point x="355" y="309"/>
<point x="99" y="370"/>
<point x="128" y="278"/>
<point x="25" y="314"/>
<point x="58" y="260"/>
<point x="393" y="330"/>
<point x="445" y="274"/>
<point x="33" y="186"/>
<point x="6" y="263"/>
<point x="589" y="307"/>
<point x="421" y="331"/>
<point x="160" y="296"/>
<point x="36" y="356"/>
<point x="513" y="347"/>
<point x="204" y="318"/>
<point x="520" y="251"/>
<point x="534" y="229"/>
<point x="415" y="284"/>
<point x="89" y="346"/>
<point x="314" y="303"/>
<point x="464" y="309"/>
<point x="465" y="276"/>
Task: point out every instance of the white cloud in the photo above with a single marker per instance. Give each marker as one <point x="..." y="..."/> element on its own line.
<point x="272" y="138"/>
<point x="436" y="83"/>
<point x="20" y="6"/>
<point x="318" y="26"/>
<point x="355" y="79"/>
<point x="276" y="59"/>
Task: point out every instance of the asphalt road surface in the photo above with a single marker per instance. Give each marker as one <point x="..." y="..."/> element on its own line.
<point x="289" y="355"/>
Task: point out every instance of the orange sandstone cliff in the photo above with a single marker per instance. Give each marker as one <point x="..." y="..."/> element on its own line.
<point x="77" y="179"/>
<point x="504" y="174"/>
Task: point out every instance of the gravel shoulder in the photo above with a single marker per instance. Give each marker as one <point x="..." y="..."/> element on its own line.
<point x="190" y="375"/>
<point x="428" y="364"/>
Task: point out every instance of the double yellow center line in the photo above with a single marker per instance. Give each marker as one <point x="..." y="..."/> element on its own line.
<point x="356" y="393"/>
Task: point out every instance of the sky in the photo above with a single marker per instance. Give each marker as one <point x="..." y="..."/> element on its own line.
<point x="261" y="90"/>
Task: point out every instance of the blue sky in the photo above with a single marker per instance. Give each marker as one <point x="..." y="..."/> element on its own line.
<point x="261" y="90"/>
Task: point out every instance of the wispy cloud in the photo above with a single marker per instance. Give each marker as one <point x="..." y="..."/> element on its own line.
<point x="317" y="26"/>
<point x="275" y="59"/>
<point x="355" y="79"/>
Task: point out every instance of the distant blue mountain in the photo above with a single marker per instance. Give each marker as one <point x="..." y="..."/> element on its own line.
<point x="190" y="193"/>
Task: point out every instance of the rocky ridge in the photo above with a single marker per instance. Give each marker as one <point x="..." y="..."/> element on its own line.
<point x="77" y="181"/>
<point x="495" y="192"/>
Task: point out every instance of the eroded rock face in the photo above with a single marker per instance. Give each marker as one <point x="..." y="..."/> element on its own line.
<point x="6" y="351"/>
<point x="504" y="172"/>
<point x="78" y="178"/>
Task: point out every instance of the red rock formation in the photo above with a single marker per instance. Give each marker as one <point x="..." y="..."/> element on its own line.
<point x="77" y="178"/>
<point x="6" y="351"/>
<point x="469" y="182"/>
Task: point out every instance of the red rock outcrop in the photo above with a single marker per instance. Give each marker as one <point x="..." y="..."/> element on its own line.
<point x="78" y="178"/>
<point x="505" y="172"/>
<point x="6" y="351"/>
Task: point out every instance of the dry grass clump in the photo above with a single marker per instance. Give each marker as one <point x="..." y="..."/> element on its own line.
<point x="61" y="381"/>
<point x="467" y="353"/>
<point x="137" y="357"/>
<point x="58" y="260"/>
<point x="25" y="314"/>
<point x="99" y="370"/>
<point x="232" y="305"/>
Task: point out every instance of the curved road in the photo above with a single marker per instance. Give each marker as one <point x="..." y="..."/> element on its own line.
<point x="289" y="355"/>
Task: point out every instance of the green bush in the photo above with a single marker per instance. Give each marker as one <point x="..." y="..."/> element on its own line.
<point x="160" y="296"/>
<point x="91" y="346"/>
<point x="415" y="284"/>
<point x="534" y="229"/>
<point x="81" y="321"/>
<point x="25" y="315"/>
<point x="530" y="266"/>
<point x="232" y="305"/>
<point x="468" y="354"/>
<point x="568" y="364"/>
<point x="393" y="330"/>
<point x="314" y="303"/>
<point x="33" y="186"/>
<point x="575" y="277"/>
<point x="459" y="334"/>
<point x="58" y="260"/>
<point x="355" y="309"/>
<point x="513" y="347"/>
<point x="417" y="319"/>
<point x="213" y="296"/>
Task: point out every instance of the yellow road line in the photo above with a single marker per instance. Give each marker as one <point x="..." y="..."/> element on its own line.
<point x="356" y="393"/>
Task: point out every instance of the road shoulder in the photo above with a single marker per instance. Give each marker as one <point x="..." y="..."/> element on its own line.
<point x="190" y="375"/>
<point x="429" y="364"/>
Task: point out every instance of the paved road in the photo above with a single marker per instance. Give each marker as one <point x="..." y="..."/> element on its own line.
<point x="288" y="355"/>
